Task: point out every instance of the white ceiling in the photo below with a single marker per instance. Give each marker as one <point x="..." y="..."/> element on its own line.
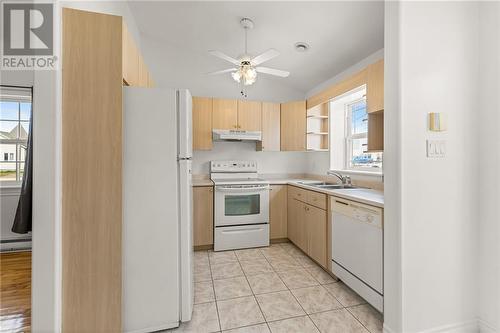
<point x="340" y="34"/>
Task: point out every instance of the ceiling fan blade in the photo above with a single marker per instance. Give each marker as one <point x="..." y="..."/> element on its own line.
<point x="268" y="55"/>
<point x="272" y="71"/>
<point x="221" y="55"/>
<point x="229" y="70"/>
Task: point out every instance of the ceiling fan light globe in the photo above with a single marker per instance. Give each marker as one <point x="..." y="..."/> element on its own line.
<point x="249" y="81"/>
<point x="251" y="73"/>
<point x="236" y="76"/>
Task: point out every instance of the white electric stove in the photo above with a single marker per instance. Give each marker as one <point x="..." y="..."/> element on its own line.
<point x="241" y="218"/>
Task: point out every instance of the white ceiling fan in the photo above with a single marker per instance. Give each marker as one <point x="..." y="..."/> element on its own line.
<point x="247" y="67"/>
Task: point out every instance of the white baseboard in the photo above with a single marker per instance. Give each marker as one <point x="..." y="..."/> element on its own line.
<point x="485" y="327"/>
<point x="470" y="326"/>
<point x="387" y="329"/>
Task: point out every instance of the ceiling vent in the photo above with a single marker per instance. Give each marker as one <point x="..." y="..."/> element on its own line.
<point x="301" y="47"/>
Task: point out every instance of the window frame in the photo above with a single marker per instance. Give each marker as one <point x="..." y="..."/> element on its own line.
<point x="18" y="142"/>
<point x="349" y="137"/>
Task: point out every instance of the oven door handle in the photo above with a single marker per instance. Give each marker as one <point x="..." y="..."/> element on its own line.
<point x="241" y="189"/>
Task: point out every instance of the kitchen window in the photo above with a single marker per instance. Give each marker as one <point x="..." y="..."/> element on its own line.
<point x="15" y="114"/>
<point x="349" y="135"/>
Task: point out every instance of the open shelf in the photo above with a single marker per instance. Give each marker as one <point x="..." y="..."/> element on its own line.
<point x="317" y="133"/>
<point x="318" y="128"/>
<point x="317" y="149"/>
<point x="317" y="117"/>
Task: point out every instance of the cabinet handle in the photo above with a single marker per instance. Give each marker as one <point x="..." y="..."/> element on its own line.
<point x="210" y="190"/>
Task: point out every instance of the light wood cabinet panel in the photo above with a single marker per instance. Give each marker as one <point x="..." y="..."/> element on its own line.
<point x="225" y="114"/>
<point x="356" y="80"/>
<point x="202" y="123"/>
<point x="293" y="126"/>
<point x="271" y="128"/>
<point x="316" y="199"/>
<point x="143" y="73"/>
<point x="375" y="87"/>
<point x="376" y="131"/>
<point x="317" y="234"/>
<point x="92" y="75"/>
<point x="302" y="229"/>
<point x="134" y="70"/>
<point x="249" y="115"/>
<point x="203" y="216"/>
<point x="292" y="209"/>
<point x="278" y="211"/>
<point x="130" y="58"/>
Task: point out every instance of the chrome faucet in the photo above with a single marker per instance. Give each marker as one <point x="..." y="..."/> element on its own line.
<point x="345" y="180"/>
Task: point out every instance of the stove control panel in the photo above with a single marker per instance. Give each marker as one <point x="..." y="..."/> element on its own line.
<point x="233" y="166"/>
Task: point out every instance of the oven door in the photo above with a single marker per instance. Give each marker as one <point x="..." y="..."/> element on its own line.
<point x="241" y="204"/>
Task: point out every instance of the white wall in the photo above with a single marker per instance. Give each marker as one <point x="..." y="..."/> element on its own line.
<point x="392" y="169"/>
<point x="489" y="150"/>
<point x="438" y="66"/>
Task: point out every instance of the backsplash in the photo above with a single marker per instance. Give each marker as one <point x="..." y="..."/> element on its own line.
<point x="268" y="162"/>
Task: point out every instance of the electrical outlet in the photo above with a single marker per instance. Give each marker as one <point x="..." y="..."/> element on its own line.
<point x="436" y="148"/>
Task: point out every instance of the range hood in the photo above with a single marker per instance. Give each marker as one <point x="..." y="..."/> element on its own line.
<point x="236" y="135"/>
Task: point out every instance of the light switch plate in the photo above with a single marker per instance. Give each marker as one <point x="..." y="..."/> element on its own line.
<point x="436" y="148"/>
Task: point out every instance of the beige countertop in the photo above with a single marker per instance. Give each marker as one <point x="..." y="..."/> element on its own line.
<point x="364" y="195"/>
<point x="201" y="180"/>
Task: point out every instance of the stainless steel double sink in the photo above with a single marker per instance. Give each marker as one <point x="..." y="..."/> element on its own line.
<point x="328" y="186"/>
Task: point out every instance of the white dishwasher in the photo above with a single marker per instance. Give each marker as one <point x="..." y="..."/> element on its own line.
<point x="357" y="248"/>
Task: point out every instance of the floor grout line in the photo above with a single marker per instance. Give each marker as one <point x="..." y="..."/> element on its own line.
<point x="268" y="258"/>
<point x="213" y="288"/>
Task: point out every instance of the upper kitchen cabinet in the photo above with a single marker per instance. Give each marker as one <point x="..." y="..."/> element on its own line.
<point x="271" y="128"/>
<point x="375" y="106"/>
<point x="375" y="87"/>
<point x="249" y="115"/>
<point x="225" y="114"/>
<point x="202" y="123"/>
<point x="293" y="126"/>
<point x="135" y="71"/>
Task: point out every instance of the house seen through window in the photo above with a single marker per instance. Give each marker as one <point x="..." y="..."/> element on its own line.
<point x="15" y="113"/>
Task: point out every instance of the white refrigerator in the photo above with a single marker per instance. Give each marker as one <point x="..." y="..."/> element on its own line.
<point x="158" y="288"/>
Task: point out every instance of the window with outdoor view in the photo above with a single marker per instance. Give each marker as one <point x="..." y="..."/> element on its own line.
<point x="356" y="139"/>
<point x="349" y="134"/>
<point x="15" y="113"/>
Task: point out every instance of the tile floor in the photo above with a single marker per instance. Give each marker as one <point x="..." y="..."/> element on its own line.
<point x="274" y="289"/>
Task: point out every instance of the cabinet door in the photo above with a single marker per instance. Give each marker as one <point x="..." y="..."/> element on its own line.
<point x="292" y="206"/>
<point x="271" y="128"/>
<point x="293" y="126"/>
<point x="302" y="229"/>
<point x="225" y="114"/>
<point x="375" y="87"/>
<point x="203" y="222"/>
<point x="278" y="211"/>
<point x="249" y="115"/>
<point x="317" y="234"/>
<point x="202" y="123"/>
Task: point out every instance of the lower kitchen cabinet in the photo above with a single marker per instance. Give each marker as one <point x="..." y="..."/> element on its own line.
<point x="278" y="212"/>
<point x="203" y="216"/>
<point x="316" y="221"/>
<point x="307" y="227"/>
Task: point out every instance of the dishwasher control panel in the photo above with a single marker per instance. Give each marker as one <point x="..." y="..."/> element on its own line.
<point x="358" y="211"/>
